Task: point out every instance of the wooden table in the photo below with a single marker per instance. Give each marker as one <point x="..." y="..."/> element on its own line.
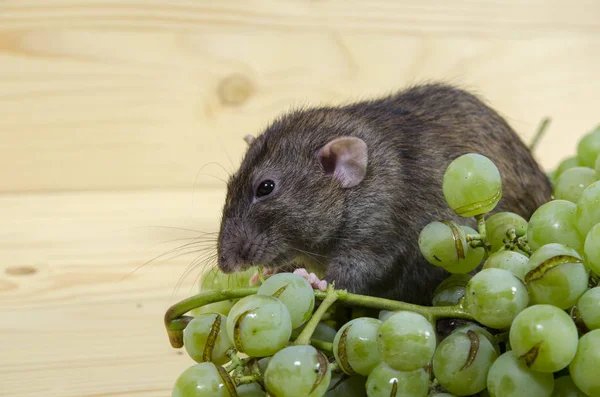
<point x="79" y="313"/>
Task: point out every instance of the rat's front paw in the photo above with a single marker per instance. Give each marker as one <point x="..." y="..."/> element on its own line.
<point x="312" y="278"/>
<point x="255" y="279"/>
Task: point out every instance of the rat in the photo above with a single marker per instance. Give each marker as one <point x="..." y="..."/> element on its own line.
<point x="347" y="189"/>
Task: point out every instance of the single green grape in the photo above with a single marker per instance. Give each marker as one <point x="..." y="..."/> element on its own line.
<point x="250" y="390"/>
<point x="513" y="261"/>
<point x="461" y="363"/>
<point x="442" y="395"/>
<point x="510" y="377"/>
<point x="298" y="371"/>
<point x="495" y="296"/>
<point x="259" y="325"/>
<point x="451" y="290"/>
<point x="588" y="148"/>
<point x="204" y="380"/>
<point x="597" y="167"/>
<point x="591" y="249"/>
<point x="545" y="337"/>
<point x="383" y="380"/>
<point x="588" y="208"/>
<point x="498" y="224"/>
<point x="571" y="184"/>
<point x="385" y="314"/>
<point x="406" y="341"/>
<point x="295" y="292"/>
<point x="472" y="185"/>
<point x="355" y="346"/>
<point x="556" y="276"/>
<point x="481" y="332"/>
<point x="353" y="386"/>
<point x="564" y="387"/>
<point x="473" y="257"/>
<point x="589" y="308"/>
<point x="584" y="367"/>
<point x="205" y="338"/>
<point x="565" y="164"/>
<point x="444" y="244"/>
<point x="554" y="222"/>
<point x="217" y="280"/>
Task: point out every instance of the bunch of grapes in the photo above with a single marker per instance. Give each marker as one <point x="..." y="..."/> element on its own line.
<point x="525" y="291"/>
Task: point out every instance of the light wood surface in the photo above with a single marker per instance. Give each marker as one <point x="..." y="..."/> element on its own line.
<point x="119" y="118"/>
<point x="128" y="94"/>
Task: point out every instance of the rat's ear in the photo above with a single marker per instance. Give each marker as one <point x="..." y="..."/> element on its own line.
<point x="249" y="139"/>
<point x="346" y="159"/>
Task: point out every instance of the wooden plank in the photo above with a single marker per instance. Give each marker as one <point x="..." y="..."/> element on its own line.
<point x="76" y="322"/>
<point x="148" y="94"/>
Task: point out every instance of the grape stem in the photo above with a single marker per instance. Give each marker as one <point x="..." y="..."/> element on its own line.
<point x="322" y="345"/>
<point x="243" y="380"/>
<point x="176" y="320"/>
<point x="330" y="297"/>
<point x="482" y="232"/>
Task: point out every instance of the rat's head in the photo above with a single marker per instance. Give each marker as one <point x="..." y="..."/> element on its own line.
<point x="288" y="196"/>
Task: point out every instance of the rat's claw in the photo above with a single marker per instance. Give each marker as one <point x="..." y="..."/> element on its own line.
<point x="312" y="278"/>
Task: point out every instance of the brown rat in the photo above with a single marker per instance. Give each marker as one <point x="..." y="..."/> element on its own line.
<point x="349" y="188"/>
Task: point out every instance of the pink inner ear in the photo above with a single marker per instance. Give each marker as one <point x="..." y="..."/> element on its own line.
<point x="346" y="159"/>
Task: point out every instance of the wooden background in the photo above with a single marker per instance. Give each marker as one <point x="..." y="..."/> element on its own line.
<point x="119" y="118"/>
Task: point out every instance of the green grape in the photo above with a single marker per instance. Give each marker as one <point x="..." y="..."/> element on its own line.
<point x="250" y="390"/>
<point x="472" y="185"/>
<point x="495" y="296"/>
<point x="259" y="325"/>
<point x="510" y="377"/>
<point x="565" y="164"/>
<point x="588" y="208"/>
<point x="355" y="346"/>
<point x="205" y="339"/>
<point x="554" y="222"/>
<point x="584" y="367"/>
<point x="573" y="182"/>
<point x="406" y="341"/>
<point x="451" y="290"/>
<point x="444" y="244"/>
<point x="217" y="280"/>
<point x="481" y="332"/>
<point x="514" y="262"/>
<point x="461" y="363"/>
<point x="353" y="386"/>
<point x="295" y="292"/>
<point x="499" y="224"/>
<point x="591" y="249"/>
<point x="298" y="371"/>
<point x="597" y="167"/>
<point x="441" y="395"/>
<point x="564" y="387"/>
<point x="204" y="380"/>
<point x="588" y="148"/>
<point x="545" y="337"/>
<point x="556" y="276"/>
<point x="473" y="257"/>
<point x="384" y="315"/>
<point x="384" y="381"/>
<point x="589" y="308"/>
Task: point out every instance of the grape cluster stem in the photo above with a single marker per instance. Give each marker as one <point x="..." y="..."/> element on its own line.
<point x="176" y="319"/>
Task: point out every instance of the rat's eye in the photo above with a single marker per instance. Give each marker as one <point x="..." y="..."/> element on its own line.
<point x="265" y="188"/>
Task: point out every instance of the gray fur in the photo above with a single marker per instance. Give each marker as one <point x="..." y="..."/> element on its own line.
<point x="365" y="237"/>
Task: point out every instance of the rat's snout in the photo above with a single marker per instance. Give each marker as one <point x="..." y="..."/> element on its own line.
<point x="240" y="246"/>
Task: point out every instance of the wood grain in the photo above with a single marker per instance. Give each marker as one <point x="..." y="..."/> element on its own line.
<point x="82" y="321"/>
<point x="151" y="94"/>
